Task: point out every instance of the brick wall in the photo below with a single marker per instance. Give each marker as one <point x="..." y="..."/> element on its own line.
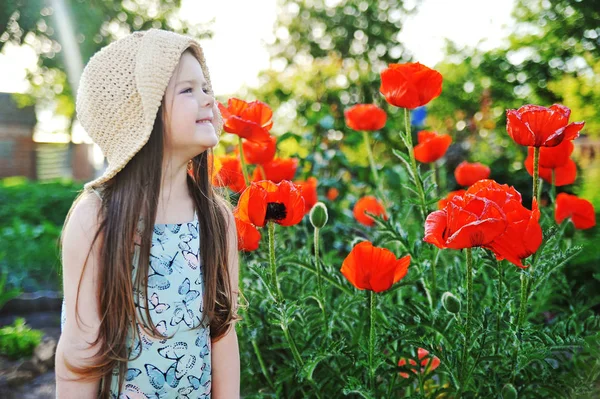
<point x="17" y="152"/>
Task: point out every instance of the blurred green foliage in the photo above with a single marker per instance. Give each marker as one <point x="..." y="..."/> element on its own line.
<point x="18" y="340"/>
<point x="552" y="56"/>
<point x="31" y="219"/>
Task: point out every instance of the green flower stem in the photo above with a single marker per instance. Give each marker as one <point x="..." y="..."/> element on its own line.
<point x="553" y="188"/>
<point x="392" y="385"/>
<point x="371" y="303"/>
<point x="263" y="368"/>
<point x="279" y="296"/>
<point x="536" y="164"/>
<point x="248" y="321"/>
<point x="523" y="302"/>
<point x="317" y="263"/>
<point x="292" y="345"/>
<point x="263" y="174"/>
<point x="500" y="311"/>
<point x="433" y="274"/>
<point x="243" y="161"/>
<point x="274" y="279"/>
<point x="434" y="177"/>
<point x="413" y="162"/>
<point x="374" y="168"/>
<point x="469" y="308"/>
<point x="319" y="283"/>
<point x="520" y="321"/>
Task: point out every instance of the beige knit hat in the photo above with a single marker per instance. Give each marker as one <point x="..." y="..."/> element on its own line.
<point x="121" y="89"/>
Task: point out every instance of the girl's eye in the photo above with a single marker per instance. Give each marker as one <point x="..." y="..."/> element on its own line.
<point x="205" y="90"/>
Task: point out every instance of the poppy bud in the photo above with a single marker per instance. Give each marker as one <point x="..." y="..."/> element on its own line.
<point x="450" y="302"/>
<point x="318" y="215"/>
<point x="509" y="392"/>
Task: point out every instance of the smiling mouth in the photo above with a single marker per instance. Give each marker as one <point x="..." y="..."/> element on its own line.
<point x="201" y="121"/>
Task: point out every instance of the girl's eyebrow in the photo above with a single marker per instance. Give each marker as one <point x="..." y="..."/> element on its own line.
<point x="191" y="81"/>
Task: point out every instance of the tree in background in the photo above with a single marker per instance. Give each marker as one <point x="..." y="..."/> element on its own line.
<point x="552" y="56"/>
<point x="327" y="56"/>
<point x="95" y="24"/>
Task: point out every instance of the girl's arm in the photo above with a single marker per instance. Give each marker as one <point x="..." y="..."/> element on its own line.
<point x="77" y="239"/>
<point x="225" y="354"/>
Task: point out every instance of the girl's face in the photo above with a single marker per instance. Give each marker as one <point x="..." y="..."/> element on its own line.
<point x="190" y="111"/>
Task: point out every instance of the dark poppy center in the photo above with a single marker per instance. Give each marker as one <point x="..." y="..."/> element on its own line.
<point x="275" y="211"/>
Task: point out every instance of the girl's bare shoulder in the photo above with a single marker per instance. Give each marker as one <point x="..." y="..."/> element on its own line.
<point x="83" y="222"/>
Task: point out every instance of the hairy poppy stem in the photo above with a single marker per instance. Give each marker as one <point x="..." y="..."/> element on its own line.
<point x="433" y="274"/>
<point x="243" y="161"/>
<point x="523" y="303"/>
<point x="434" y="178"/>
<point x="263" y="174"/>
<point x="469" y="254"/>
<point x="392" y="385"/>
<point x="374" y="168"/>
<point x="500" y="311"/>
<point x="413" y="162"/>
<point x="319" y="283"/>
<point x="261" y="362"/>
<point x="520" y="320"/>
<point x="292" y="345"/>
<point x="536" y="172"/>
<point x="553" y="188"/>
<point x="371" y="299"/>
<point x="317" y="263"/>
<point x="274" y="279"/>
<point x="284" y="327"/>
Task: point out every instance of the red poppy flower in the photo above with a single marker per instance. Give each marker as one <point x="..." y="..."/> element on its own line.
<point x="554" y="157"/>
<point x="563" y="175"/>
<point x="537" y="126"/>
<point x="472" y="220"/>
<point x="228" y="172"/>
<point x="432" y="146"/>
<point x="248" y="236"/>
<point x="467" y="173"/>
<point x="442" y="203"/>
<point x="308" y="189"/>
<point x="277" y="170"/>
<point x="410" y="85"/>
<point x="580" y="211"/>
<point x="523" y="234"/>
<point x="372" y="268"/>
<point x="251" y="121"/>
<point x="332" y="194"/>
<point x="259" y="152"/>
<point x="368" y="204"/>
<point x="428" y="363"/>
<point x="365" y="117"/>
<point x="265" y="201"/>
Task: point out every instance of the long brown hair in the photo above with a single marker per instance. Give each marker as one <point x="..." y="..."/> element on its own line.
<point x="130" y="194"/>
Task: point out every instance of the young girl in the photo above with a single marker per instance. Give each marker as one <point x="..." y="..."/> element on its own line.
<point x="149" y="249"/>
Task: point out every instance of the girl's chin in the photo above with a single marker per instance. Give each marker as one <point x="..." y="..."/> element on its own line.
<point x="207" y="142"/>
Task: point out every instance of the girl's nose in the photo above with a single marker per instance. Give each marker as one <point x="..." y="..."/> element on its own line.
<point x="207" y="100"/>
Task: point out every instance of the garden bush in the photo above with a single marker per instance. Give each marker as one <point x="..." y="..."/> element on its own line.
<point x="18" y="340"/>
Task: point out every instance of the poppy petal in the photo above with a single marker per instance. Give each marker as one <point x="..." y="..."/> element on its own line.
<point x="431" y="146"/>
<point x="365" y="117"/>
<point x="252" y="205"/>
<point x="581" y="211"/>
<point x="248" y="236"/>
<point x="435" y="228"/>
<point x="373" y="268"/>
